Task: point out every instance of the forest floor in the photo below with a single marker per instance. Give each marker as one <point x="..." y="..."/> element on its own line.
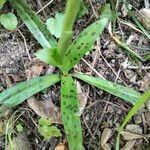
<point x="103" y="112"/>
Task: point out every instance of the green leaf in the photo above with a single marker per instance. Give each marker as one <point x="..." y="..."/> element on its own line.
<point x="19" y="128"/>
<point x="49" y="56"/>
<point x="34" y="24"/>
<point x="145" y="97"/>
<point x="142" y="99"/>
<point x="113" y="88"/>
<point x="44" y="122"/>
<point x="9" y="21"/>
<point x="2" y="2"/>
<point x="55" y="25"/>
<point x="83" y="43"/>
<point x="70" y="113"/>
<point x="22" y="91"/>
<point x="49" y="131"/>
<point x="83" y="10"/>
<point x="105" y="11"/>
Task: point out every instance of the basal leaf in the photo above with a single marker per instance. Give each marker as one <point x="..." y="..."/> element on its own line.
<point x="49" y="56"/>
<point x="9" y="21"/>
<point x="34" y="23"/>
<point x="22" y="91"/>
<point x="83" y="43"/>
<point x="70" y="113"/>
<point x="113" y="88"/>
<point x="54" y="25"/>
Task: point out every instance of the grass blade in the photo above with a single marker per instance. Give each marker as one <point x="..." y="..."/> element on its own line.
<point x="34" y="24"/>
<point x="70" y="113"/>
<point x="113" y="88"/>
<point x="145" y="97"/>
<point x="136" y="20"/>
<point x="83" y="43"/>
<point x="22" y="91"/>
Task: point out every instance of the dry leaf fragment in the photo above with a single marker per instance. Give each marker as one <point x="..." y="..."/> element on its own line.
<point x="134" y="128"/>
<point x="105" y="137"/>
<point x="82" y="97"/>
<point x="35" y="70"/>
<point x="129" y="145"/>
<point x="148" y="105"/>
<point x="43" y="108"/>
<point x="144" y="17"/>
<point x="61" y="146"/>
<point x="20" y="143"/>
<point x="131" y="136"/>
<point x="147" y="117"/>
<point x="46" y="109"/>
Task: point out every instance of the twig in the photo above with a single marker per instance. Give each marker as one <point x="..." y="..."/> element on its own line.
<point x="25" y="44"/>
<point x="92" y="68"/>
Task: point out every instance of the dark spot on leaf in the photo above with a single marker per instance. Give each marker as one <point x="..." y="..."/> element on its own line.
<point x="82" y="43"/>
<point x="75" y="58"/>
<point x="68" y="117"/>
<point x="67" y="54"/>
<point x="64" y="103"/>
<point x="86" y="47"/>
<point x="70" y="61"/>
<point x="72" y="91"/>
<point x="75" y="41"/>
<point x="93" y="33"/>
<point x="66" y="96"/>
<point x="63" y="95"/>
<point x="85" y="33"/>
<point x="40" y="80"/>
<point x="79" y="47"/>
<point x="79" y="54"/>
<point x="64" y="113"/>
<point x="70" y="96"/>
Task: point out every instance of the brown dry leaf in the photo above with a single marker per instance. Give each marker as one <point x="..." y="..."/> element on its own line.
<point x="35" y="70"/>
<point x="82" y="97"/>
<point x="61" y="146"/>
<point x="45" y="109"/>
<point x="129" y="145"/>
<point x="20" y="143"/>
<point x="144" y="17"/>
<point x="105" y="137"/>
<point x="131" y="136"/>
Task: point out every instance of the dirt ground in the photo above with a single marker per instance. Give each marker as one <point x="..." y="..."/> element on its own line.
<point x="103" y="112"/>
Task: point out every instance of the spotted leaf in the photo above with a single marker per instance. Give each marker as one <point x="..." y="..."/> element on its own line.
<point x="22" y="91"/>
<point x="83" y="43"/>
<point x="113" y="88"/>
<point x="70" y="113"/>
